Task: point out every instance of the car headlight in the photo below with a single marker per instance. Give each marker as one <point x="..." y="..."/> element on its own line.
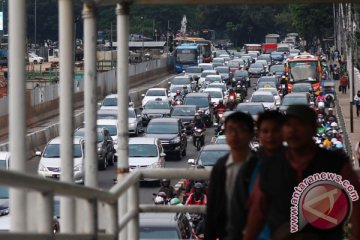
<point x="175" y="140"/>
<point x="78" y="168"/>
<point x="155" y="165"/>
<point x="42" y="168"/>
<point x="132" y="124"/>
<point x="4" y="211"/>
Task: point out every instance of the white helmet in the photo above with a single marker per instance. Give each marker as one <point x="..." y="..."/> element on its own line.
<point x="159" y="200"/>
<point x="333" y="125"/>
<point x="321" y="105"/>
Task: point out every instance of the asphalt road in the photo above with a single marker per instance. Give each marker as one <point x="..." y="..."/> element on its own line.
<point x="107" y="176"/>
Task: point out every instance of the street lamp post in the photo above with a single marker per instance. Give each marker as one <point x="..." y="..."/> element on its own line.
<point x="142" y="38"/>
<point x="35" y="26"/>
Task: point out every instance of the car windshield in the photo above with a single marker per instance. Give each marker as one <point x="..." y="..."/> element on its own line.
<point x="81" y="133"/>
<point x="201" y="102"/>
<point x="277" y="68"/>
<point x="215" y="94"/>
<point x="272" y="90"/>
<point x="143" y="150"/>
<point x="111" y="128"/>
<point x="218" y="60"/>
<point x="267" y="59"/>
<point x="193" y="70"/>
<point x="241" y="74"/>
<point x="209" y="158"/>
<point x="158" y="233"/>
<point x="156" y="105"/>
<point x="261" y="80"/>
<point x="183" y="112"/>
<point x="180" y="81"/>
<point x="266" y="85"/>
<point x="152" y="93"/>
<point x="303" y="71"/>
<point x="257" y="65"/>
<point x="222" y="70"/>
<point x="251" y="109"/>
<point x="221" y="141"/>
<point x="204" y="74"/>
<point x="287" y="101"/>
<point x="4" y="191"/>
<point x="213" y="79"/>
<point x="206" y="67"/>
<point x="3" y="164"/>
<point x="53" y="151"/>
<point x="262" y="98"/>
<point x="107" y="116"/>
<point x="131" y="113"/>
<point x="110" y="101"/>
<point x="223" y="87"/>
<point x="162" y="128"/>
<point x="301" y="88"/>
<point x="234" y="64"/>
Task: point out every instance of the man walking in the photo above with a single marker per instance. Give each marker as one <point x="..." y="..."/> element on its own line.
<point x="239" y="131"/>
<point x="344" y="82"/>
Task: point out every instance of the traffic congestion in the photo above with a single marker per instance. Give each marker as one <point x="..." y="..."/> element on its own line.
<point x="183" y="125"/>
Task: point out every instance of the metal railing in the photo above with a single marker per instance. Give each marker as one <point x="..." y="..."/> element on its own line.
<point x="49" y="188"/>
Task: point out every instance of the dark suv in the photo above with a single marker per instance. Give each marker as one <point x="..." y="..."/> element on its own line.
<point x="105" y="146"/>
<point x="164" y="226"/>
<point x="171" y="133"/>
<point x="203" y="102"/>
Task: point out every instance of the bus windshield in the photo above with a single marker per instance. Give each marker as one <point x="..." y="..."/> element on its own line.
<point x="303" y="71"/>
<point x="186" y="56"/>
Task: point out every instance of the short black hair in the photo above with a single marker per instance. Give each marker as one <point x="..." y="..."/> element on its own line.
<point x="270" y="115"/>
<point x="241" y="118"/>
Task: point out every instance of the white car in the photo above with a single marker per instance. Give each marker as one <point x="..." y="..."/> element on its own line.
<point x="183" y="81"/>
<point x="50" y="161"/>
<point x="111" y="126"/>
<point x="206" y="66"/>
<point x="204" y="74"/>
<point x="135" y="125"/>
<point x="110" y="102"/>
<point x="35" y="59"/>
<point x="219" y="85"/>
<point x="154" y="94"/>
<point x="216" y="95"/>
<point x="4" y="160"/>
<point x="274" y="92"/>
<point x="146" y="152"/>
<point x="266" y="98"/>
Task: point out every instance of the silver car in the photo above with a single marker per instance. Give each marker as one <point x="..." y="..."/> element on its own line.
<point x="50" y="161"/>
<point x="135" y="122"/>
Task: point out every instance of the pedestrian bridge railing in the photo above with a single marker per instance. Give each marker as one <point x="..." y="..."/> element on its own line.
<point x="128" y="184"/>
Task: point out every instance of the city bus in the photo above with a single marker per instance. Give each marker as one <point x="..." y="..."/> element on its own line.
<point x="186" y="55"/>
<point x="304" y="68"/>
<point x="205" y="45"/>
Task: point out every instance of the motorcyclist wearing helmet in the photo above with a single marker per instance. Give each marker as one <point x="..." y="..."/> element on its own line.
<point x="184" y="91"/>
<point x="198" y="122"/>
<point x="198" y="197"/>
<point x="167" y="188"/>
<point x="330" y="115"/>
<point x="160" y="198"/>
<point x="220" y="107"/>
<point x="320" y="98"/>
<point x="283" y="84"/>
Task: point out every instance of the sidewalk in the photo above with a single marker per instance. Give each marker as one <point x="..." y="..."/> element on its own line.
<point x="344" y="103"/>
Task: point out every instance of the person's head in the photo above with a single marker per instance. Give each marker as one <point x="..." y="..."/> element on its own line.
<point x="358" y="93"/>
<point x="269" y="126"/>
<point x="165" y="182"/>
<point x="221" y="102"/>
<point x="197" y="116"/>
<point x="178" y="92"/>
<point x="300" y="126"/>
<point x="331" y="111"/>
<point x="239" y="130"/>
<point x="175" y="201"/>
<point x="198" y="188"/>
<point x="185" y="87"/>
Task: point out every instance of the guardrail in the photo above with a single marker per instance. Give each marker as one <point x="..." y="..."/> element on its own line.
<point x="341" y="122"/>
<point x="48" y="188"/>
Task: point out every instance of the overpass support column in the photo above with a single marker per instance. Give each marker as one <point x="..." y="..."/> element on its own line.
<point x="90" y="100"/>
<point x="122" y="18"/>
<point x="66" y="38"/>
<point x="17" y="109"/>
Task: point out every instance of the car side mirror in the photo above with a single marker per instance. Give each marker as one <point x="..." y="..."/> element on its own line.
<point x="143" y="95"/>
<point x="38" y="153"/>
<point x="162" y="154"/>
<point x="141" y="108"/>
<point x="191" y="161"/>
<point x="131" y="104"/>
<point x="169" y="83"/>
<point x="138" y="115"/>
<point x="247" y="101"/>
<point x="99" y="104"/>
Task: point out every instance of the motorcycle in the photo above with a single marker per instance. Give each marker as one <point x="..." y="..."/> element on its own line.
<point x="178" y="102"/>
<point x="219" y="115"/>
<point x="231" y="102"/>
<point x="198" y="138"/>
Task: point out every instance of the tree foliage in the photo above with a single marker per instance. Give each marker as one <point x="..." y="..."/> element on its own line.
<point x="240" y="23"/>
